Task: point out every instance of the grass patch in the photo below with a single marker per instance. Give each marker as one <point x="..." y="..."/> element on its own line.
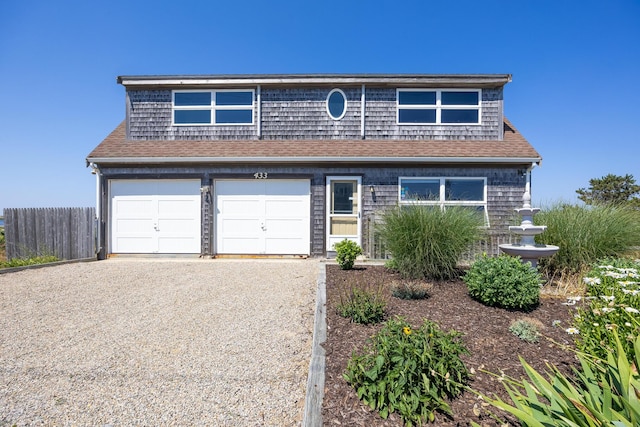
<point x="23" y="262"/>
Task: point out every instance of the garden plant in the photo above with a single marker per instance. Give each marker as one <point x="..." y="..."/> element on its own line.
<point x="612" y="307"/>
<point x="426" y="241"/>
<point x="504" y="282"/>
<point x="605" y="392"/>
<point x="586" y="234"/>
<point x="409" y="371"/>
<point x="346" y="253"/>
<point x="362" y="306"/>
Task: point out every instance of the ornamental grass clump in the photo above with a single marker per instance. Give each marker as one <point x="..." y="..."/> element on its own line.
<point x="605" y="392"/>
<point x="362" y="306"/>
<point x="409" y="371"/>
<point x="612" y="307"/>
<point x="586" y="234"/>
<point x="426" y="241"/>
<point x="411" y="289"/>
<point x="503" y="281"/>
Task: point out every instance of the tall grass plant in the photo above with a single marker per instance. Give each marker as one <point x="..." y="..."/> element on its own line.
<point x="426" y="241"/>
<point x="586" y="234"/>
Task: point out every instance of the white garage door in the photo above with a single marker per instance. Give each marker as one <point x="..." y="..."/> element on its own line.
<point x="262" y="216"/>
<point x="155" y="216"/>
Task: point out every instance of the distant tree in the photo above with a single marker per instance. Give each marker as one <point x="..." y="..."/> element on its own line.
<point x="611" y="189"/>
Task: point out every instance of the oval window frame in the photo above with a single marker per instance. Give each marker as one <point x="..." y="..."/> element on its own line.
<point x="344" y="109"/>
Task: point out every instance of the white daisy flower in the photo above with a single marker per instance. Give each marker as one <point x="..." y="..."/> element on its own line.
<point x="572" y="331"/>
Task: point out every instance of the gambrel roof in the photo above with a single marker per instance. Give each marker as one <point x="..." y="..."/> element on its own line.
<point x="514" y="148"/>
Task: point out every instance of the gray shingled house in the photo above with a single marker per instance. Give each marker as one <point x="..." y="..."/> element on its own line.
<point x="290" y="164"/>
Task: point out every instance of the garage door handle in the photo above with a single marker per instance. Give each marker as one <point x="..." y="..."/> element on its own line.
<point x="155" y="227"/>
<point x="263" y="227"/>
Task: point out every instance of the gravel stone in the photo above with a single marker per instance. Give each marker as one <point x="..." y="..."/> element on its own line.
<point x="149" y="341"/>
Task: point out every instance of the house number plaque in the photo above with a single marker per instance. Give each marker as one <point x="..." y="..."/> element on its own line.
<point x="260" y="175"/>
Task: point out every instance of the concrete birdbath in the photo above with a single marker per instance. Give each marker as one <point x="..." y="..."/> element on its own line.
<point x="527" y="249"/>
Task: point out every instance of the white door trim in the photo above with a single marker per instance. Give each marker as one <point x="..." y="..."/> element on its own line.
<point x="333" y="239"/>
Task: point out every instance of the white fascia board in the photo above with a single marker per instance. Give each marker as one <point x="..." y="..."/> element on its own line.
<point x="395" y="80"/>
<point x="244" y="160"/>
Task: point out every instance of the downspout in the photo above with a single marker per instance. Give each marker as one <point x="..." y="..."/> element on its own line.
<point x="362" y="112"/>
<point x="259" y="112"/>
<point x="98" y="229"/>
<point x="527" y="187"/>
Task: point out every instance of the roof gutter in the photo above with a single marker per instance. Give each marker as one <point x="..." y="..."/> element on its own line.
<point x="202" y="160"/>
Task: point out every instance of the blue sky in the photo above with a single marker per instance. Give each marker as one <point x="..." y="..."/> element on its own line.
<point x="575" y="91"/>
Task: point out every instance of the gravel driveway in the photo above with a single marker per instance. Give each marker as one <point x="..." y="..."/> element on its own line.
<point x="135" y="341"/>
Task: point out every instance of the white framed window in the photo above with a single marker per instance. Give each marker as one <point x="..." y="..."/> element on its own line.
<point x="467" y="192"/>
<point x="438" y="106"/>
<point x="213" y="107"/>
<point x="336" y="104"/>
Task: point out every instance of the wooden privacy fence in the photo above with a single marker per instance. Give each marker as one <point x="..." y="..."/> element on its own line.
<point x="67" y="233"/>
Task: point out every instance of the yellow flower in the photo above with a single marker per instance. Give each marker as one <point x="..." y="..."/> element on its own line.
<point x="406" y="330"/>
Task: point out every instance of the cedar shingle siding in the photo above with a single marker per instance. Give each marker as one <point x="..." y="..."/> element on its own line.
<point x="301" y="114"/>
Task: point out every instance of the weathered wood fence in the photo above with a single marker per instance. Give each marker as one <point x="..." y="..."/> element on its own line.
<point x="67" y="233"/>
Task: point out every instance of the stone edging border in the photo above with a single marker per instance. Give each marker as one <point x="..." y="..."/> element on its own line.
<point x="315" y="383"/>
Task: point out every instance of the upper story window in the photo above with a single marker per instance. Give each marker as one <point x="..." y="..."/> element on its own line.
<point x="470" y="193"/>
<point x="438" y="106"/>
<point x="336" y="104"/>
<point x="213" y="107"/>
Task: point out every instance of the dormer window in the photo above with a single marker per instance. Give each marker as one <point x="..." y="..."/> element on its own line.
<point x="438" y="106"/>
<point x="213" y="107"/>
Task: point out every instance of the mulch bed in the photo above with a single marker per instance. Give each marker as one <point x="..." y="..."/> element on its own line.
<point x="485" y="334"/>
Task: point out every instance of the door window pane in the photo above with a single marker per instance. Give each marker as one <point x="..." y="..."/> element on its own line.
<point x="343" y="200"/>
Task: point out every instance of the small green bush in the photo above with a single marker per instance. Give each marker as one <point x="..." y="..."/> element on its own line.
<point x="612" y="307"/>
<point x="586" y="234"/>
<point x="411" y="371"/>
<point x="362" y="306"/>
<point x="411" y="289"/>
<point x="606" y="392"/>
<point x="346" y="253"/>
<point x="503" y="281"/>
<point x="526" y="330"/>
<point x="426" y="241"/>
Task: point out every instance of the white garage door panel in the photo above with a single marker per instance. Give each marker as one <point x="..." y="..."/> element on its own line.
<point x="263" y="217"/>
<point x="155" y="216"/>
<point x="134" y="244"/>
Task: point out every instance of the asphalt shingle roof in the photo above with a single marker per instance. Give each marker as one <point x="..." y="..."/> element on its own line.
<point x="117" y="146"/>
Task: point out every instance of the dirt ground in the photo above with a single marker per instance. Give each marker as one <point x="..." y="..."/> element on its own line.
<point x="485" y="334"/>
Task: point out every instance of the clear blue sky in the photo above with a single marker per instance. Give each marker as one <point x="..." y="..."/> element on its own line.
<point x="575" y="93"/>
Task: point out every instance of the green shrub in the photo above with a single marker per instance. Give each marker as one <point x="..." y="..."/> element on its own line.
<point x="612" y="307"/>
<point x="22" y="262"/>
<point x="411" y="371"/>
<point x="410" y="289"/>
<point x="526" y="330"/>
<point x="586" y="234"/>
<point x="427" y="242"/>
<point x="346" y="253"/>
<point x="503" y="281"/>
<point x="606" y="392"/>
<point x="362" y="306"/>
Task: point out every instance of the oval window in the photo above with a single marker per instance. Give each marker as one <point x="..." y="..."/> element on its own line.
<point x="336" y="104"/>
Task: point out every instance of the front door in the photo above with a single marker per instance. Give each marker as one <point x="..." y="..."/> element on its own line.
<point x="343" y="209"/>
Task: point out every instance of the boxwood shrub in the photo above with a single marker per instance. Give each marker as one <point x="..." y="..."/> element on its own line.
<point x="504" y="282"/>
